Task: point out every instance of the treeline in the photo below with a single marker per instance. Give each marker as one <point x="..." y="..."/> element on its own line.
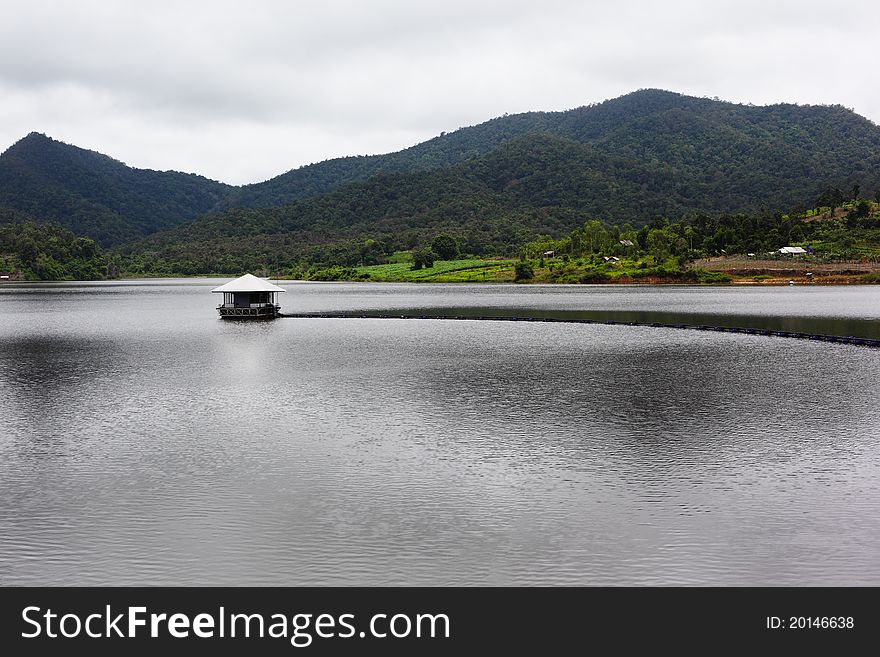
<point x="853" y="233"/>
<point x="852" y="230"/>
<point x="46" y="252"/>
<point x="849" y="230"/>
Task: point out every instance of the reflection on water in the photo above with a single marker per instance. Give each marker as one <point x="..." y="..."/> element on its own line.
<point x="144" y="441"/>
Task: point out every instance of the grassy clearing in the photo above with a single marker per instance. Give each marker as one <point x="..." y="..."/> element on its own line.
<point x="443" y="271"/>
<point x="555" y="271"/>
<point x="477" y="270"/>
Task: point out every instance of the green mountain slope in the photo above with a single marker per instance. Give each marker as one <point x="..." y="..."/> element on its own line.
<point x="32" y="251"/>
<point x="95" y="195"/>
<point x="670" y="157"/>
<point x="756" y="152"/>
<point x="446" y="150"/>
<point x="630" y="159"/>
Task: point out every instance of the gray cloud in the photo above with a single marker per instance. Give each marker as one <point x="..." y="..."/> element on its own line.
<point x="241" y="91"/>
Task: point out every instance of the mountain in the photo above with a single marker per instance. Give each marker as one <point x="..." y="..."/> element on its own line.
<point x="97" y="196"/>
<point x="647" y="154"/>
<point x="445" y="150"/>
<point x="644" y="155"/>
<point x="755" y="152"/>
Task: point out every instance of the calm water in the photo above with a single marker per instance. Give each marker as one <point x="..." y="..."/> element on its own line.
<point x="144" y="441"/>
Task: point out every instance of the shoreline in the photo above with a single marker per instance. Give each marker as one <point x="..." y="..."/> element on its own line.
<point x="741" y="281"/>
<point x="715" y="272"/>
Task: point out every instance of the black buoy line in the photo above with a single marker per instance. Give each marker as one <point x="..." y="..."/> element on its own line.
<point x="840" y="339"/>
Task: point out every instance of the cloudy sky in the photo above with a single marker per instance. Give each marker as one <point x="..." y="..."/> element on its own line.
<point x="241" y="91"/>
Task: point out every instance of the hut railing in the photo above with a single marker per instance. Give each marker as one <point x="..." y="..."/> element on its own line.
<point x="263" y="309"/>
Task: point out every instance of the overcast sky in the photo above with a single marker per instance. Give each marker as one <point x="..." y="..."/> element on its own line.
<point x="242" y="91"/>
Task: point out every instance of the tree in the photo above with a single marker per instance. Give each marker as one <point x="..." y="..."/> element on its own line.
<point x="575" y="241"/>
<point x="371" y="252"/>
<point x="594" y="234"/>
<point x="689" y="233"/>
<point x="523" y="271"/>
<point x="660" y="242"/>
<point x="831" y="197"/>
<point x="862" y="210"/>
<point x="445" y="247"/>
<point x="423" y="257"/>
<point x="724" y="239"/>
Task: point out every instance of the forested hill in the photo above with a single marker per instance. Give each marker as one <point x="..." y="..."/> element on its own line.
<point x="753" y="153"/>
<point x="630" y="159"/>
<point x="442" y="151"/>
<point x="97" y="196"/>
<point x="32" y="251"/>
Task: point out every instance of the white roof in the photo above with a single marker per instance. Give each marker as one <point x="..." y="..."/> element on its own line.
<point x="792" y="249"/>
<point x="249" y="283"/>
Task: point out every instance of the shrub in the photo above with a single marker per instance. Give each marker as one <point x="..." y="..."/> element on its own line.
<point x="335" y="273"/>
<point x="593" y="275"/>
<point x="706" y="276"/>
<point x="423" y="257"/>
<point x="524" y="271"/>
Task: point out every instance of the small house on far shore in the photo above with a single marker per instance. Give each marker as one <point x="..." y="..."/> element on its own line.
<point x="249" y="297"/>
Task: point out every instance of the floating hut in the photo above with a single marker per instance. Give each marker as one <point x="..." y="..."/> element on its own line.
<point x="248" y="297"/>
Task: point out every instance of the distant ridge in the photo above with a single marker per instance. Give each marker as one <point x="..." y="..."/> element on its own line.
<point x="95" y="195"/>
<point x="825" y="144"/>
<point x="629" y="159"/>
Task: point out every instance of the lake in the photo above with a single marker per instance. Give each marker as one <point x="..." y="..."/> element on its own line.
<point x="145" y="441"/>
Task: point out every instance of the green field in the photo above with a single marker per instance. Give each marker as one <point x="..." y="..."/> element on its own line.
<point x="477" y="270"/>
<point x="443" y="271"/>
